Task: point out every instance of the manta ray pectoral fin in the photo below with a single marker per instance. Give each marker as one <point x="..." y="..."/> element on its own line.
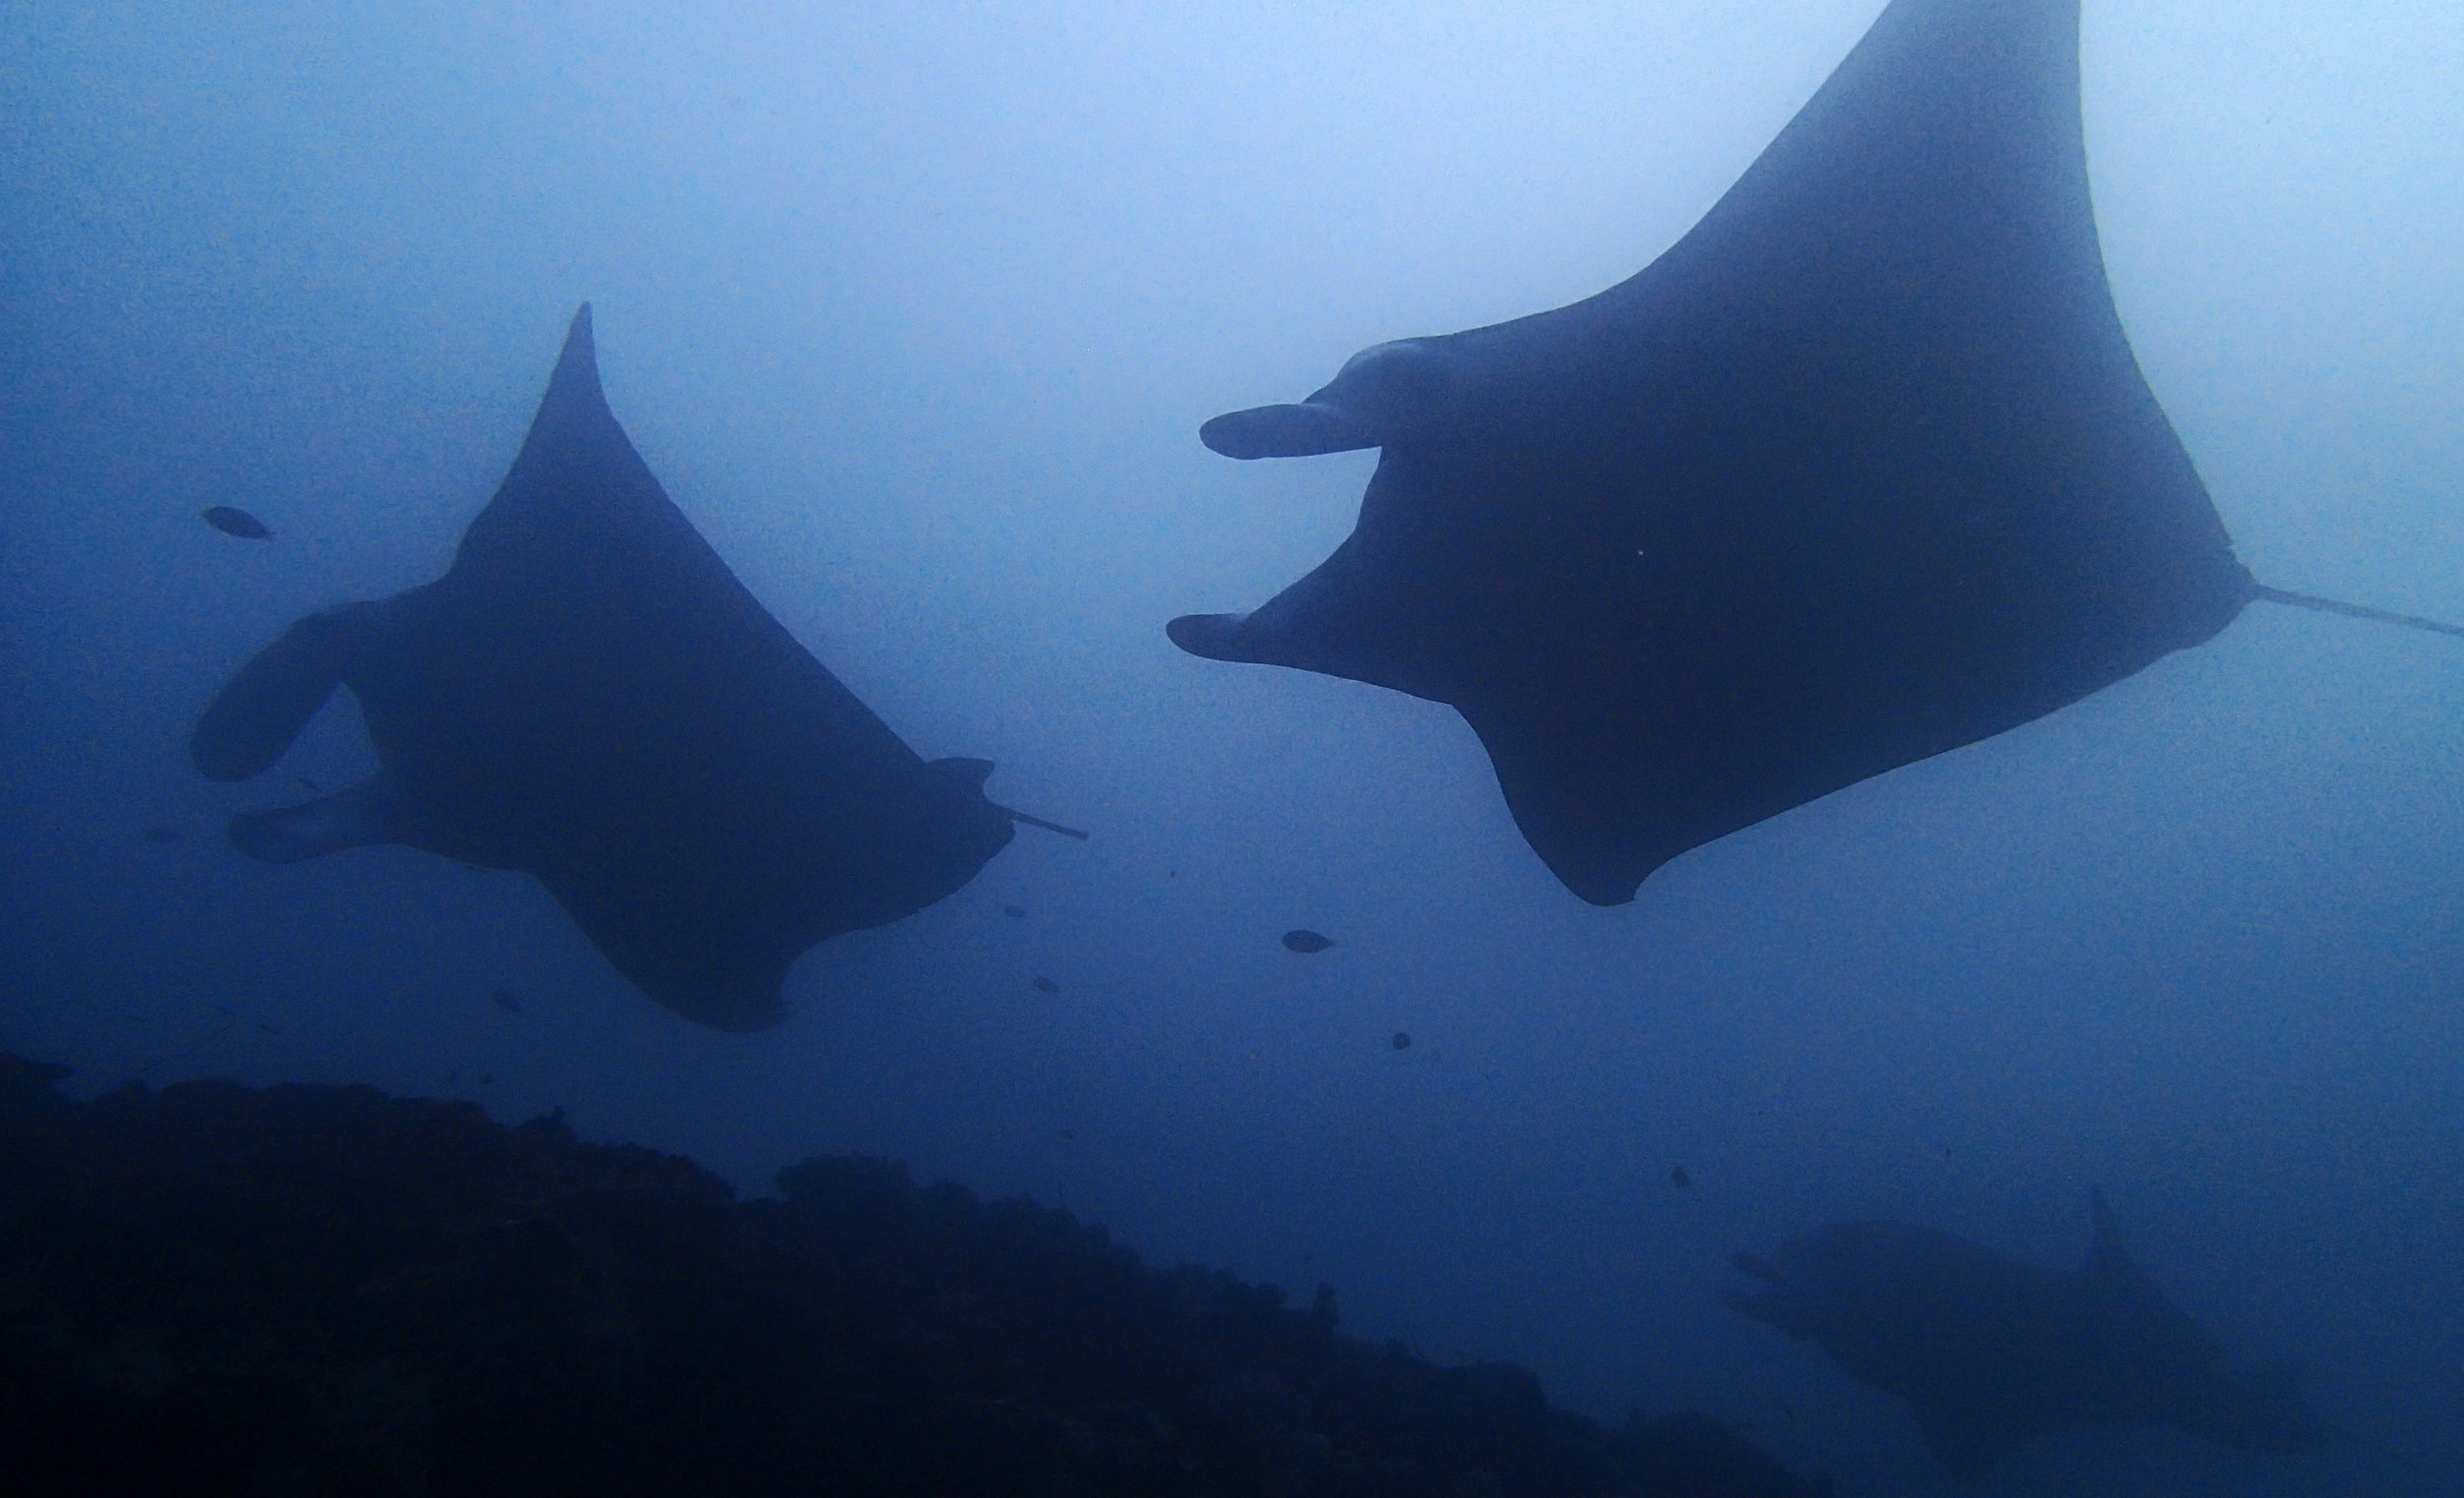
<point x="355" y="816"/>
<point x="700" y="950"/>
<point x="1588" y="828"/>
<point x="254" y="718"/>
<point x="1303" y="430"/>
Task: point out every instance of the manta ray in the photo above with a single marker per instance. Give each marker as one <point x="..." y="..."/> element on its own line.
<point x="1861" y="470"/>
<point x="1991" y="1353"/>
<point x="589" y="696"/>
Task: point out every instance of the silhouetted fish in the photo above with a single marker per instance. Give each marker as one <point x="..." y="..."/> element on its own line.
<point x="1402" y="1041"/>
<point x="1677" y="1176"/>
<point x="1044" y="985"/>
<point x="161" y="831"/>
<point x="504" y="999"/>
<point x="237" y="522"/>
<point x="1015" y="911"/>
<point x="1306" y="942"/>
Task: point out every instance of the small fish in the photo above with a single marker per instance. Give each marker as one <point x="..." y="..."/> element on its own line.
<point x="504" y="999"/>
<point x="1679" y="1178"/>
<point x="1403" y="1040"/>
<point x="161" y="831"/>
<point x="1044" y="985"/>
<point x="1306" y="942"/>
<point x="1070" y="1135"/>
<point x="268" y="1029"/>
<point x="487" y="1079"/>
<point x="237" y="522"/>
<point x="1015" y="911"/>
<point x="306" y="785"/>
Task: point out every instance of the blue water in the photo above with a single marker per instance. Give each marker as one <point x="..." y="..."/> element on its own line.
<point x="915" y="310"/>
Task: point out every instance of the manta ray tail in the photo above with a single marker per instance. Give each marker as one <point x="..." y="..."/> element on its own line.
<point x="2353" y="610"/>
<point x="253" y="719"/>
<point x="1020" y="816"/>
<point x="973" y="772"/>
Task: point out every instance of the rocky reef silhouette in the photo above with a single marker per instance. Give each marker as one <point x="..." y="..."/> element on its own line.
<point x="211" y="1288"/>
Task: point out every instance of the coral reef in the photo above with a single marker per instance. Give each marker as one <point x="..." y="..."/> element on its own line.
<point x="217" y="1289"/>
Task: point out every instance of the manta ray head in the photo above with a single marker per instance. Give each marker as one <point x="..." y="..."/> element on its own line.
<point x="1827" y="1279"/>
<point x="1793" y="1283"/>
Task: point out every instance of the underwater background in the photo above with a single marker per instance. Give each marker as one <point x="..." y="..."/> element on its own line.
<point x="915" y="313"/>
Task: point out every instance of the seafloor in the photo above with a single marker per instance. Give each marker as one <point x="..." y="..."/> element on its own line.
<point x="213" y="1288"/>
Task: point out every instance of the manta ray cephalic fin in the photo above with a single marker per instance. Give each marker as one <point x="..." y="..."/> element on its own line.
<point x="253" y="719"/>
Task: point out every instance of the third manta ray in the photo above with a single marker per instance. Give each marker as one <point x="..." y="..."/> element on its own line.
<point x="1991" y="1353"/>
<point x="1859" y="471"/>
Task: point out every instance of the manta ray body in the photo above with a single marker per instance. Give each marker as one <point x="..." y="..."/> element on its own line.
<point x="1861" y="470"/>
<point x="590" y="696"/>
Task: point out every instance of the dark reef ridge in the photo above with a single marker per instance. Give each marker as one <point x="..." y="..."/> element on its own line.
<point x="213" y="1288"/>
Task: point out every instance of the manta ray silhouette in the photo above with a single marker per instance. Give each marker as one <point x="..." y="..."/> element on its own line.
<point x="588" y="694"/>
<point x="1859" y="471"/>
<point x="1991" y="1353"/>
